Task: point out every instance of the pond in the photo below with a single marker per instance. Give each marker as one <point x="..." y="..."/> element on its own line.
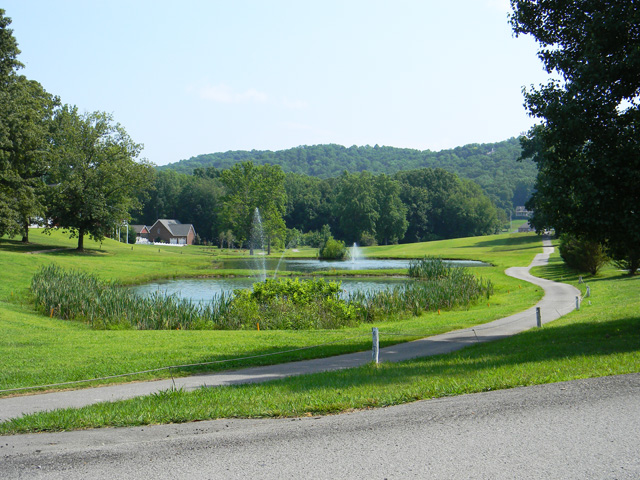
<point x="204" y="289"/>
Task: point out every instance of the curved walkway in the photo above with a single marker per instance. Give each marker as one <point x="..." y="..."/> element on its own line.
<point x="558" y="300"/>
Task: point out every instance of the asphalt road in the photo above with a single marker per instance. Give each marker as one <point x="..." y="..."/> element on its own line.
<point x="585" y="429"/>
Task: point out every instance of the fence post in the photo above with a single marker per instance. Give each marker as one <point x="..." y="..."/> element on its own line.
<point x="588" y="294"/>
<point x="577" y="302"/>
<point x="376" y="344"/>
<point x="538" y="317"/>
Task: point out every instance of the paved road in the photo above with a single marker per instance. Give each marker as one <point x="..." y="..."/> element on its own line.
<point x="585" y="429"/>
<point x="558" y="300"/>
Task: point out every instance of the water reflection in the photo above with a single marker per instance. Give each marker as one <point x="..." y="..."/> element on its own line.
<point x="204" y="289"/>
<point x="312" y="265"/>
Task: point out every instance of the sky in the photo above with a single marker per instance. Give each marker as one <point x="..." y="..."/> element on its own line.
<point x="203" y="76"/>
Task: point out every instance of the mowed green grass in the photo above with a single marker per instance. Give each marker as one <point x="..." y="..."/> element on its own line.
<point x="37" y="350"/>
<point x="602" y="338"/>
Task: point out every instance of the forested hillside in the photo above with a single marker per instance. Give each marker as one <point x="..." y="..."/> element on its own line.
<point x="493" y="166"/>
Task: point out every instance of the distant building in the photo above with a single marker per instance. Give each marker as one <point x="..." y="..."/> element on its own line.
<point x="172" y="231"/>
<point x="525" y="228"/>
<point x="142" y="233"/>
<point x="522" y="212"/>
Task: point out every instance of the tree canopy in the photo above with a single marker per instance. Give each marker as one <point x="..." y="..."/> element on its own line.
<point x="587" y="145"/>
<point x="250" y="187"/>
<point x="94" y="175"/>
<point x="25" y="112"/>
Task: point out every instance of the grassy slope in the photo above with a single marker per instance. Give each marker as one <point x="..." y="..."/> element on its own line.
<point x="603" y="338"/>
<point x="37" y="350"/>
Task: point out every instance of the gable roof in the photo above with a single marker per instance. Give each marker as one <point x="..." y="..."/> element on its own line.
<point x="140" y="228"/>
<point x="175" y="227"/>
<point x="181" y="230"/>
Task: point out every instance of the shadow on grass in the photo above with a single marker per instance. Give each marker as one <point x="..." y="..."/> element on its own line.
<point x="515" y="243"/>
<point x="73" y="252"/>
<point x="543" y="345"/>
<point x="558" y="271"/>
<point x="7" y="245"/>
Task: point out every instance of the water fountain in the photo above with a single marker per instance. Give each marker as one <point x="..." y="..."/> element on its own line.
<point x="355" y="253"/>
<point x="256" y="242"/>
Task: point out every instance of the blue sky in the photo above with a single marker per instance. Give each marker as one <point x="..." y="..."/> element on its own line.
<point x="193" y="77"/>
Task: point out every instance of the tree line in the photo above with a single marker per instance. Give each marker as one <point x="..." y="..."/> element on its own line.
<point x="494" y="166"/>
<point x="409" y="206"/>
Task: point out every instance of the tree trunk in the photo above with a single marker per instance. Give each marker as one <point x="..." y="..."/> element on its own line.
<point x="25" y="236"/>
<point x="81" y="240"/>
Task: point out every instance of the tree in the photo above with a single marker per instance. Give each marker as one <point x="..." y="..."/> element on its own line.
<point x="392" y="221"/>
<point x="25" y="110"/>
<point x="586" y="146"/>
<point x="95" y="174"/>
<point x="250" y="187"/>
<point x="200" y="202"/>
<point x="8" y="49"/>
<point x="355" y="206"/>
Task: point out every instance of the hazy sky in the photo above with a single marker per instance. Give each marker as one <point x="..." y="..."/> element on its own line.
<point x="202" y="76"/>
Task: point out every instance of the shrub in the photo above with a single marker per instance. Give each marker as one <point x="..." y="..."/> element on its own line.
<point x="333" y="250"/>
<point x="582" y="254"/>
<point x="628" y="259"/>
<point x="368" y="239"/>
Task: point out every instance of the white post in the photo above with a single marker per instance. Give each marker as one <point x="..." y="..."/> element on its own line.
<point x="376" y="344"/>
<point x="127" y="240"/>
<point x="538" y="317"/>
<point x="588" y="294"/>
<point x="577" y="302"/>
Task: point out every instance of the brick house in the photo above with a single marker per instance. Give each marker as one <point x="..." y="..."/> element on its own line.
<point x="142" y="233"/>
<point x="172" y="231"/>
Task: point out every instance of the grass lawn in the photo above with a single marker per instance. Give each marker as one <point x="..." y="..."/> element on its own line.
<point x="603" y="338"/>
<point x="37" y="350"/>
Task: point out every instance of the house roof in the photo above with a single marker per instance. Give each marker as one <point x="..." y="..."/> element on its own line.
<point x="181" y="230"/>
<point x="140" y="228"/>
<point x="175" y="227"/>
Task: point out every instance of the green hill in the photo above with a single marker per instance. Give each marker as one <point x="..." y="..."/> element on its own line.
<point x="493" y="166"/>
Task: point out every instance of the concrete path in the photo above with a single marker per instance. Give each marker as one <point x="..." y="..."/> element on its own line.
<point x="558" y="300"/>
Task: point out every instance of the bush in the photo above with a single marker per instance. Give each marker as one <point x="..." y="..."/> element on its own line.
<point x="368" y="240"/>
<point x="582" y="254"/>
<point x="627" y="259"/>
<point x="333" y="250"/>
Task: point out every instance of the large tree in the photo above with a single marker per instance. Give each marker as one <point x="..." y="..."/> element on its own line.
<point x="587" y="145"/>
<point x="356" y="206"/>
<point x="25" y="110"/>
<point x="249" y="187"/>
<point x="95" y="177"/>
<point x="392" y="213"/>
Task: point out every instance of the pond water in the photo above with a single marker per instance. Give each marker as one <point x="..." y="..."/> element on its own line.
<point x="313" y="265"/>
<point x="204" y="289"/>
